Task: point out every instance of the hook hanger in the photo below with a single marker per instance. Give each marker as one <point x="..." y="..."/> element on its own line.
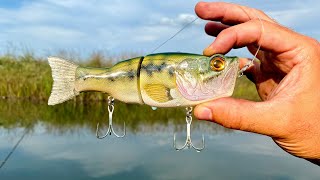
<point x="110" y="129"/>
<point x="188" y="140"/>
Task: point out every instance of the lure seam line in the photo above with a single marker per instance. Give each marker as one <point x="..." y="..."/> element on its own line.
<point x="138" y="79"/>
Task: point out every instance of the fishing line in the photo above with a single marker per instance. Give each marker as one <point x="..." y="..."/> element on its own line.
<point x="174" y="35"/>
<point x="250" y="62"/>
<point x="14" y="148"/>
<point x="245" y="67"/>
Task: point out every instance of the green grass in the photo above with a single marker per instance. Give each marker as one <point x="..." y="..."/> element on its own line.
<point x="245" y="89"/>
<point x="27" y="77"/>
<point x="24" y="77"/>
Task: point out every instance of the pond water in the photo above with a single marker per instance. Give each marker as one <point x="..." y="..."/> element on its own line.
<point x="60" y="143"/>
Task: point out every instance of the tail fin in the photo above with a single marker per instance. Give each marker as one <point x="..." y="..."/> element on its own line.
<point x="63" y="74"/>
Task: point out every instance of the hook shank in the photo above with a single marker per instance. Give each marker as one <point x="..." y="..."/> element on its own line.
<point x="188" y="142"/>
<point x="110" y="129"/>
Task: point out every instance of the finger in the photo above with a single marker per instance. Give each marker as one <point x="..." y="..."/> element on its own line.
<point x="250" y="33"/>
<point x="253" y="50"/>
<point x="214" y="28"/>
<point x="263" y="81"/>
<point x="228" y="13"/>
<point x="257" y="117"/>
<point x="243" y="62"/>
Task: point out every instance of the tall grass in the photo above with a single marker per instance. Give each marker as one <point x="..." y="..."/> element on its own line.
<point x="28" y="77"/>
<point x="24" y="77"/>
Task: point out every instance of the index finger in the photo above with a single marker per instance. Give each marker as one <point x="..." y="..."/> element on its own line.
<point x="272" y="38"/>
<point x="228" y="13"/>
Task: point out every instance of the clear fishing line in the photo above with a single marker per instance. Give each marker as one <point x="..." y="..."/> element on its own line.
<point x="174" y="35"/>
<point x="245" y="67"/>
<point x="250" y="62"/>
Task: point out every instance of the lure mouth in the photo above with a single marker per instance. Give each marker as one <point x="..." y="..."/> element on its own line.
<point x="211" y="86"/>
<point x="231" y="75"/>
<point x="223" y="85"/>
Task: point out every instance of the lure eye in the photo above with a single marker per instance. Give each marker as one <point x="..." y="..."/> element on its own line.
<point x="217" y="63"/>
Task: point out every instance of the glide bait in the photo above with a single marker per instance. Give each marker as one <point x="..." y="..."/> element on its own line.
<point x="159" y="80"/>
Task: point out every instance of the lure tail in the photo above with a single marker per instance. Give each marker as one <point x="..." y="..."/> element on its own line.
<point x="63" y="74"/>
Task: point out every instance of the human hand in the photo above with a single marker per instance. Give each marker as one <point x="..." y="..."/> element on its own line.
<point x="286" y="78"/>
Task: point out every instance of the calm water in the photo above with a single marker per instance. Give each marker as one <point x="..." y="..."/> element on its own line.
<point x="61" y="144"/>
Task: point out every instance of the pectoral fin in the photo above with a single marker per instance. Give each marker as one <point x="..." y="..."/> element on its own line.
<point x="158" y="92"/>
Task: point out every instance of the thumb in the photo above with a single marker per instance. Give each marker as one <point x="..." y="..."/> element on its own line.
<point x="258" y="117"/>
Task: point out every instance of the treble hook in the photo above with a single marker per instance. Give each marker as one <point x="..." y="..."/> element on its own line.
<point x="188" y="140"/>
<point x="110" y="129"/>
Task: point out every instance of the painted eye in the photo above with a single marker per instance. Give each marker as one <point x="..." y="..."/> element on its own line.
<point x="217" y="63"/>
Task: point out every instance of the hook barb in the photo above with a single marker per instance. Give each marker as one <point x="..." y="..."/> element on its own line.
<point x="188" y="144"/>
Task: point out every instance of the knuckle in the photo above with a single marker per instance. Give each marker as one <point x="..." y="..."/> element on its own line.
<point x="240" y="124"/>
<point x="258" y="21"/>
<point x="232" y="31"/>
<point x="259" y="12"/>
<point x="235" y="123"/>
<point x="227" y="122"/>
<point x="314" y="42"/>
<point x="232" y="121"/>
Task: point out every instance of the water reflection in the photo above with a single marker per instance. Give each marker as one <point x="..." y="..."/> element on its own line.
<point x="70" y="117"/>
<point x="62" y="144"/>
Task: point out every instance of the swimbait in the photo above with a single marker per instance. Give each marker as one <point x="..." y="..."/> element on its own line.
<point x="158" y="80"/>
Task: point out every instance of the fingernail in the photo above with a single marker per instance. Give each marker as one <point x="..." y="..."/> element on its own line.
<point x="204" y="113"/>
<point x="208" y="51"/>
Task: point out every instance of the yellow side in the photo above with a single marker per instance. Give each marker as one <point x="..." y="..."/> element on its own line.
<point x="119" y="81"/>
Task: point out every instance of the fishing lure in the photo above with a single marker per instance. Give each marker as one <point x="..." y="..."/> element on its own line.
<point x="158" y="80"/>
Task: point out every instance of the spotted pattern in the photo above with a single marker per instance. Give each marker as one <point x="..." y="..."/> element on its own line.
<point x="151" y="68"/>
